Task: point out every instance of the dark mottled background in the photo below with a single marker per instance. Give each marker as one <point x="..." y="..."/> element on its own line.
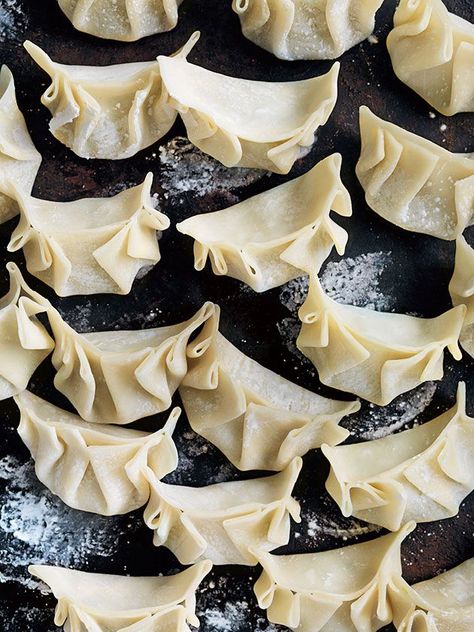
<point x="417" y="281"/>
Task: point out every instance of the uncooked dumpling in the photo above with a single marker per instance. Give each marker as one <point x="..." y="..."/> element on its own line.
<point x="91" y="602"/>
<point x="94" y="467"/>
<point x="249" y="241"/>
<point x="461" y="289"/>
<point x="92" y="245"/>
<point x="307" y="29"/>
<point x="413" y="182"/>
<point x="258" y="419"/>
<point x="357" y="588"/>
<point x="24" y="342"/>
<point x="221" y="522"/>
<point x="107" y="112"/>
<point x="266" y="125"/>
<point x="422" y="474"/>
<point x="120" y="376"/>
<point x="432" y="51"/>
<point x="124" y="20"/>
<point x="375" y="355"/>
<point x="19" y="160"/>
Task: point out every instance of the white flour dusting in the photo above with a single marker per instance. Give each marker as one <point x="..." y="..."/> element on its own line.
<point x="13" y="21"/>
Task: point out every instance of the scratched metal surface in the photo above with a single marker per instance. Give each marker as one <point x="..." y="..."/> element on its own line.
<point x="420" y="267"/>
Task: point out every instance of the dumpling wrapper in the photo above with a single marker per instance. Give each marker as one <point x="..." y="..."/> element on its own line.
<point x="249" y="241"/>
<point x="24" y="341"/>
<point x="109" y="112"/>
<point x="221" y="522"/>
<point x="375" y="355"/>
<point x="118" y="603"/>
<point x="257" y="124"/>
<point x="351" y="589"/>
<point x="461" y="288"/>
<point x="432" y="51"/>
<point x="120" y="376"/>
<point x="92" y="245"/>
<point x="306" y="29"/>
<point x="422" y="474"/>
<point x="259" y="420"/>
<point x="444" y="603"/>
<point x="94" y="467"/>
<point x="19" y="159"/>
<point x="123" y="20"/>
<point x="412" y="182"/>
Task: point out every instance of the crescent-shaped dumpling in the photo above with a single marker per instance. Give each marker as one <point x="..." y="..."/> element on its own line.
<point x="461" y="288"/>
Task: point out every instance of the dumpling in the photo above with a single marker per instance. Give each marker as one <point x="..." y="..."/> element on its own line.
<point x="354" y="588"/>
<point x="24" y="342"/>
<point x="124" y="20"/>
<point x="120" y="376"/>
<point x="90" y="602"/>
<point x="221" y="522"/>
<point x="94" y="467"/>
<point x="92" y="245"/>
<point x="249" y="241"/>
<point x="306" y="29"/>
<point x="109" y="112"/>
<point x="413" y="182"/>
<point x="258" y="419"/>
<point x="444" y="603"/>
<point x="461" y="289"/>
<point x="19" y="160"/>
<point x="422" y="474"/>
<point x="432" y="51"/>
<point x="375" y="355"/>
<point x="266" y="125"/>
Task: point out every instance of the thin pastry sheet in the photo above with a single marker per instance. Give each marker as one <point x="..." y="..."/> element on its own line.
<point x="19" y="159"/>
<point x="221" y="522"/>
<point x="24" y="341"/>
<point x="422" y="474"/>
<point x="109" y="112"/>
<point x="248" y="241"/>
<point x="351" y="589"/>
<point x="412" y="182"/>
<point x="94" y="467"/>
<point x="123" y="20"/>
<point x="120" y="376"/>
<point x="375" y="355"/>
<point x="305" y="29"/>
<point x="461" y="289"/>
<point x="258" y="419"/>
<point x="93" y="245"/>
<point x="91" y="602"/>
<point x="432" y="51"/>
<point x="258" y="124"/>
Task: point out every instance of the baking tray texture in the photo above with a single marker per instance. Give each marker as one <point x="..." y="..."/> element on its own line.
<point x="384" y="267"/>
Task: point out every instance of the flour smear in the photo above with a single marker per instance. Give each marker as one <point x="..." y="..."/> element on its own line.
<point x="13" y="21"/>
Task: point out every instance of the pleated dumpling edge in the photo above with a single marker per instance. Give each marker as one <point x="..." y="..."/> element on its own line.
<point x="461" y="288"/>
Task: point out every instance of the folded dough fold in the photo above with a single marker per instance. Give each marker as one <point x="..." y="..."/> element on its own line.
<point x="123" y="20"/>
<point x="92" y="602"/>
<point x="24" y="341"/>
<point x="250" y="241"/>
<point x="357" y="587"/>
<point x="245" y="123"/>
<point x="298" y="29"/>
<point x="120" y="376"/>
<point x="461" y="288"/>
<point x="432" y="51"/>
<point x="375" y="355"/>
<point x="222" y="521"/>
<point x="422" y="474"/>
<point x="109" y="112"/>
<point x="92" y="245"/>
<point x="19" y="159"/>
<point x="259" y="420"/>
<point x="412" y="182"/>
<point x="94" y="467"/>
